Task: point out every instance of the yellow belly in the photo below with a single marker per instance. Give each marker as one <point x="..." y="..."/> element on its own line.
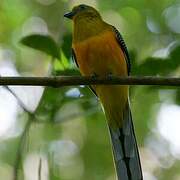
<point x="101" y="55"/>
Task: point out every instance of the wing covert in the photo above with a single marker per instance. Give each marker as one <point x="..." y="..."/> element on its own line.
<point x="123" y="46"/>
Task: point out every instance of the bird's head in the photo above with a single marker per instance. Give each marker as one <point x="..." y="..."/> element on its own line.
<point x="82" y="11"/>
<point x="87" y="22"/>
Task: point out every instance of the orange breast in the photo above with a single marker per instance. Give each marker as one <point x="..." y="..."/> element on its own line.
<point x="101" y="55"/>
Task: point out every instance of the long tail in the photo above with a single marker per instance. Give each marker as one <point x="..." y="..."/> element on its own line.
<point x="125" y="150"/>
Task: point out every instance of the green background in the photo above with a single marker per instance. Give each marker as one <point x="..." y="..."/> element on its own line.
<point x="61" y="134"/>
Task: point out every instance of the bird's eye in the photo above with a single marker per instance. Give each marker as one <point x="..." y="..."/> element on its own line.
<point x="82" y="7"/>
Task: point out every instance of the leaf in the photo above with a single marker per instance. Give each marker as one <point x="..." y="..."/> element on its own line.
<point x="160" y="66"/>
<point x="174" y="55"/>
<point x="155" y="66"/>
<point x="43" y="43"/>
<point x="66" y="45"/>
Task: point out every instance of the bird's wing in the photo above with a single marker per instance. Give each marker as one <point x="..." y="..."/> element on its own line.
<point x="75" y="60"/>
<point x="74" y="57"/>
<point x="123" y="47"/>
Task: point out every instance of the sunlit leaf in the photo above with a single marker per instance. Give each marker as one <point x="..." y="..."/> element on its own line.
<point x="64" y="60"/>
<point x="43" y="43"/>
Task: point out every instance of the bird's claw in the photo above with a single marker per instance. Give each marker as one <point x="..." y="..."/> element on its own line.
<point x="110" y="75"/>
<point x="94" y="76"/>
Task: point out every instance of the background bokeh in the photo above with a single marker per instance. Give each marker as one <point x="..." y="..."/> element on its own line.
<point x="61" y="134"/>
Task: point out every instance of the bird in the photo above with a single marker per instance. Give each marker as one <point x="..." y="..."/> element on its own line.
<point x="100" y="51"/>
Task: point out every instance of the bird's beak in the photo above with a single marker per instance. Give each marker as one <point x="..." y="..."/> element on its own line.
<point x="69" y="15"/>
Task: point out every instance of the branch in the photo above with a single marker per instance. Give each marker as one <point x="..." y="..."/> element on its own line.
<point x="21" y="148"/>
<point x="20" y="102"/>
<point x="39" y="169"/>
<point x="59" y="81"/>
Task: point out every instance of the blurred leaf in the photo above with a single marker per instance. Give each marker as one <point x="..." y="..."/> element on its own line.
<point x="144" y="117"/>
<point x="66" y="45"/>
<point x="63" y="65"/>
<point x="175" y="55"/>
<point x="58" y="66"/>
<point x="51" y="102"/>
<point x="8" y="151"/>
<point x="102" y="148"/>
<point x="154" y="66"/>
<point x="134" y="65"/>
<point x="67" y="72"/>
<point x="65" y="61"/>
<point x="43" y="43"/>
<point x="160" y="66"/>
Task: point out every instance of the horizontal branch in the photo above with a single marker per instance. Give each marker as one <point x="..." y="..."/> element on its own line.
<point x="60" y="81"/>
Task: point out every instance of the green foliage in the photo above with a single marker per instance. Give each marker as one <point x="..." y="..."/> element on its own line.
<point x="159" y="66"/>
<point x="43" y="43"/>
<point x="66" y="45"/>
<point x="73" y="114"/>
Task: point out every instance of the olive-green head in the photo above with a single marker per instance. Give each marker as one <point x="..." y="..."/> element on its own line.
<point x="82" y="11"/>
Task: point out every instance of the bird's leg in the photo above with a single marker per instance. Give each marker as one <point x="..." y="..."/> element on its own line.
<point x="109" y="76"/>
<point x="94" y="76"/>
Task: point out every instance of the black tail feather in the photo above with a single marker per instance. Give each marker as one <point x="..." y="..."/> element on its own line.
<point x="125" y="150"/>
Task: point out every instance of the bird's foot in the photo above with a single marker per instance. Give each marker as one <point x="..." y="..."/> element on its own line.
<point x="109" y="75"/>
<point x="94" y="76"/>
